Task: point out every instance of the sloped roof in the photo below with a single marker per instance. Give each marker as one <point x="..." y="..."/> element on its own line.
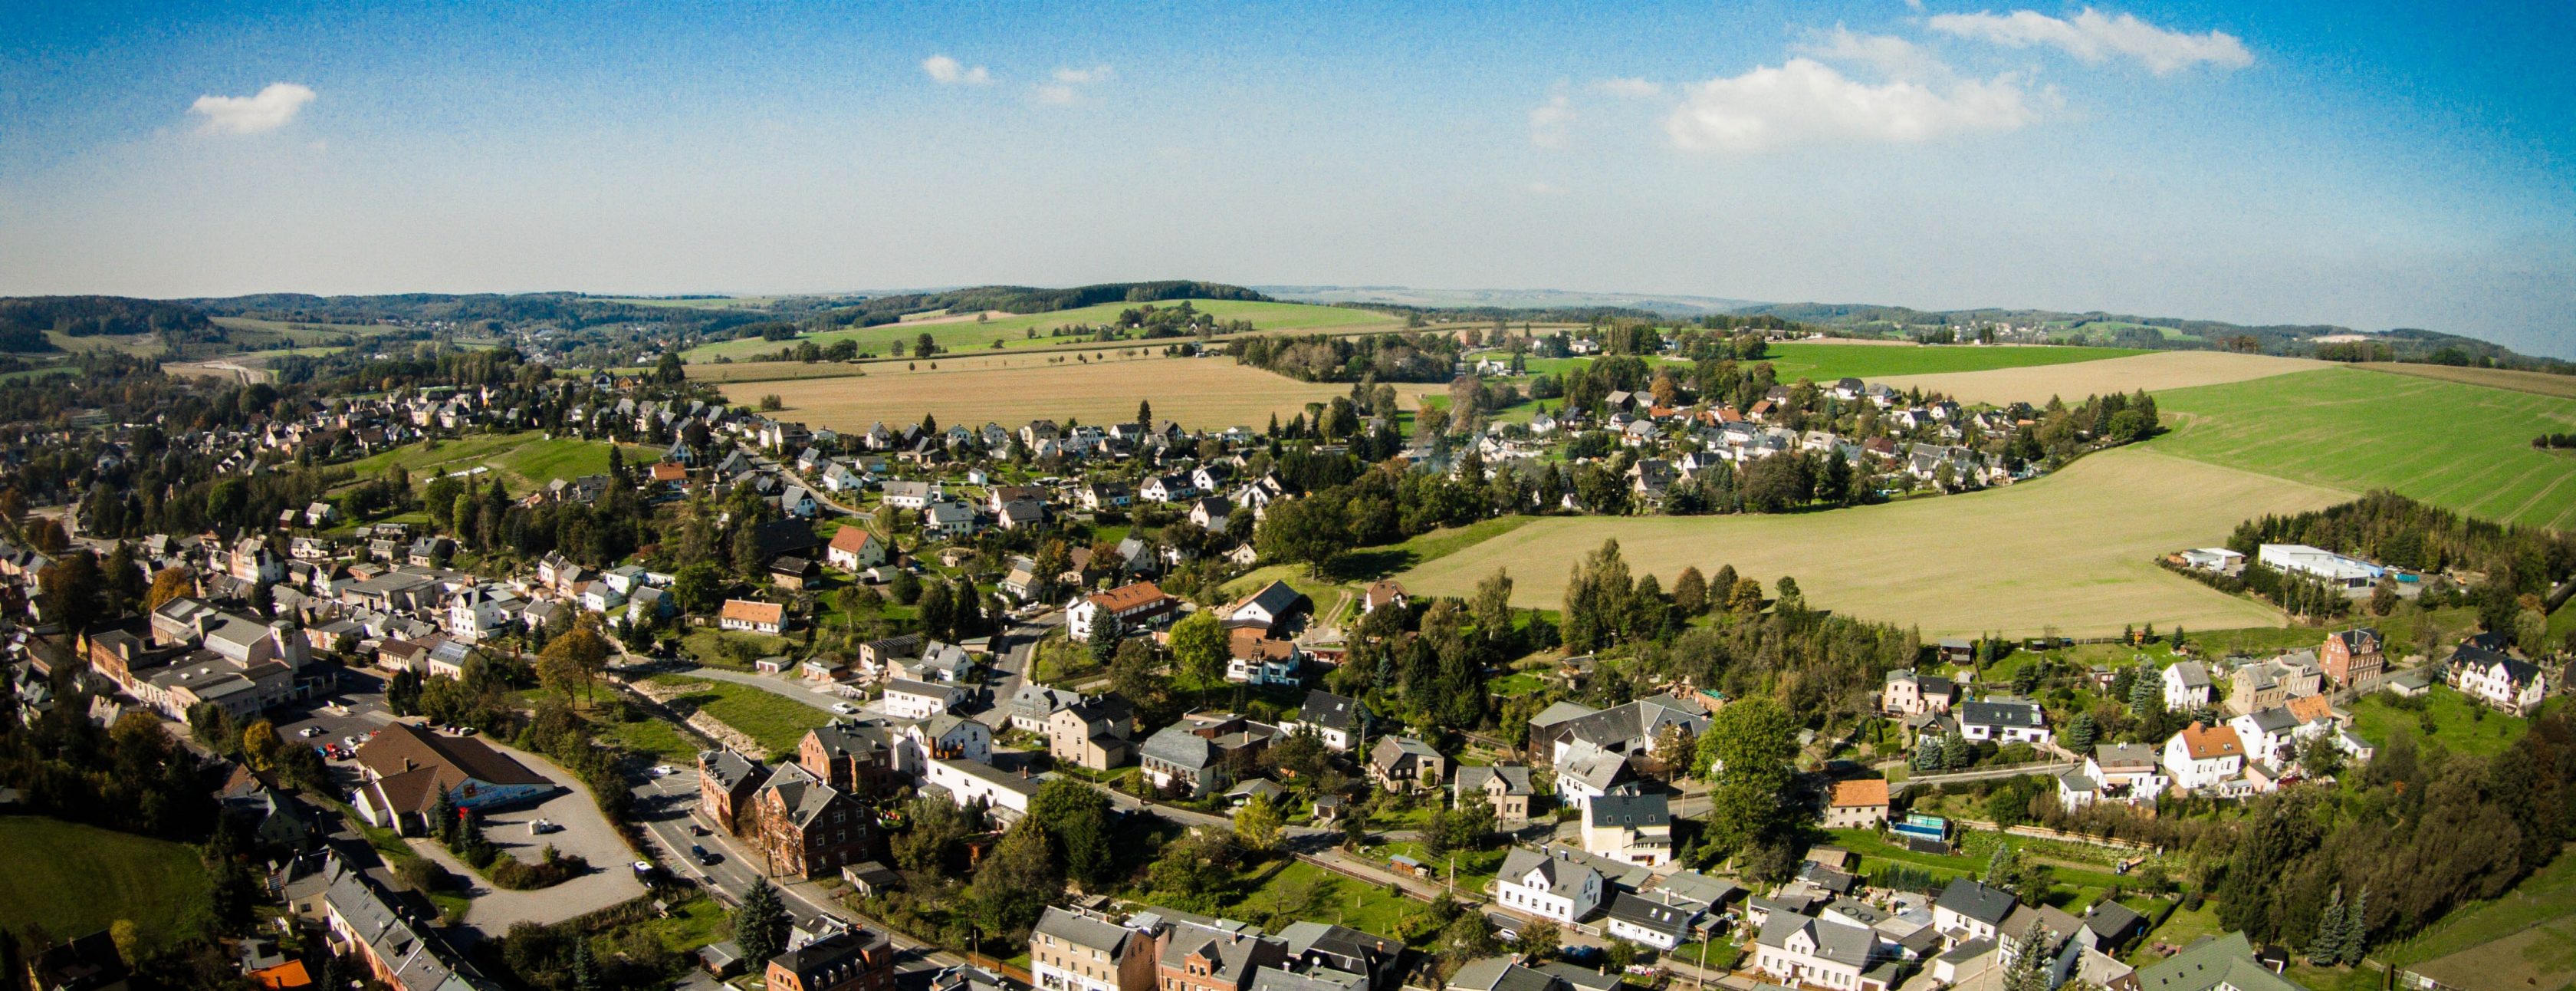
<point x="1328" y="710"/>
<point x="1860" y="793"/>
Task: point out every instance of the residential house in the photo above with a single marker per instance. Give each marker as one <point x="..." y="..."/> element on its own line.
<point x="1270" y="609"/>
<point x="1091" y="734"/>
<point x="1860" y="803"/>
<point x="1549" y="885"/>
<point x="1004" y="794"/>
<point x="1176" y="759"/>
<point x="725" y="782"/>
<point x="1383" y="592"/>
<point x="2210" y="963"/>
<point x="854" y="549"/>
<point x="2508" y="683"/>
<point x="1076" y="952"/>
<point x="1631" y="829"/>
<point x="1632" y="728"/>
<point x="1191" y="956"/>
<point x="1653" y="919"/>
<point x="2187" y="686"/>
<point x="852" y="959"/>
<point x="1805" y="951"/>
<point x="1136" y="605"/>
<point x="2202" y="757"/>
<point x="2267" y="735"/>
<point x="2267" y="684"/>
<point x="801" y="826"/>
<point x="1401" y="763"/>
<point x="912" y="495"/>
<point x="1506" y="787"/>
<point x="1969" y="910"/>
<point x="909" y="699"/>
<point x="755" y="617"/>
<point x="1034" y="704"/>
<point x="1588" y="772"/>
<point x="2004" y="721"/>
<point x="1255" y="659"/>
<point x="2354" y="659"/>
<point x="1339" y="721"/>
<point x="1909" y="693"/>
<point x="2126" y="772"/>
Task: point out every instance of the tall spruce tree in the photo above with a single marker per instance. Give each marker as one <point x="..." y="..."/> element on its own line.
<point x="2356" y="930"/>
<point x="760" y="924"/>
<point x="2327" y="947"/>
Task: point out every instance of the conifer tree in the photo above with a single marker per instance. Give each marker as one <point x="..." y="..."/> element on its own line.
<point x="760" y="924"/>
<point x="2328" y="944"/>
<point x="2356" y="930"/>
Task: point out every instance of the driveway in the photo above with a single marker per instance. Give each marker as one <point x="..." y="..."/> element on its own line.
<point x="585" y="833"/>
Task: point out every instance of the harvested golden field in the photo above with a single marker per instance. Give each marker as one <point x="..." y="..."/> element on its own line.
<point x="2153" y="372"/>
<point x="1197" y="392"/>
<point x="2075" y="550"/>
<point x="2538" y="383"/>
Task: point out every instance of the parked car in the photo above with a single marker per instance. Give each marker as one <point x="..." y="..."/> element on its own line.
<point x="540" y="827"/>
<point x="701" y="853"/>
<point x="309" y="732"/>
<point x="845" y="708"/>
<point x="697" y="830"/>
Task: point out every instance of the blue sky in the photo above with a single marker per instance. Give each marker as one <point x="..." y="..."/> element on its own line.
<point x="2373" y="165"/>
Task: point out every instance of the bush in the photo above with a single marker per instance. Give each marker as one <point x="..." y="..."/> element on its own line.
<point x="423" y="875"/>
<point x="519" y="875"/>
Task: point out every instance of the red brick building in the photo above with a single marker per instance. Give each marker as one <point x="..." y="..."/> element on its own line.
<point x="2353" y="659"/>
<point x="853" y="960"/>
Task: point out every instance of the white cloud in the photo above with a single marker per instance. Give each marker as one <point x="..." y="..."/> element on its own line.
<point x="1807" y="101"/>
<point x="1893" y="57"/>
<point x="1547" y="121"/>
<point x="267" y="110"/>
<point x="2094" y="37"/>
<point x="1544" y="188"/>
<point x="949" y="72"/>
<point x="1067" y="88"/>
<point x="1629" y="88"/>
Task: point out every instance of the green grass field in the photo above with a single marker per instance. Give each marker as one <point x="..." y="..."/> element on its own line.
<point x="774" y="720"/>
<point x="74" y="880"/>
<point x="969" y="336"/>
<point x="2463" y="447"/>
<point x="524" y="459"/>
<point x="2460" y="725"/>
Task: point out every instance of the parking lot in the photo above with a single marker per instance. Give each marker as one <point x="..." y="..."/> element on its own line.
<point x="585" y="833"/>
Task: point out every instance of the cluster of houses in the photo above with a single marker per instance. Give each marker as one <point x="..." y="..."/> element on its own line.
<point x="2252" y="735"/>
<point x="1819" y="931"/>
<point x="1171" y="950"/>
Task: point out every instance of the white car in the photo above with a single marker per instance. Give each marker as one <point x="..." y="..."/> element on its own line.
<point x="845" y="708"/>
<point x="309" y="732"/>
<point x="662" y="770"/>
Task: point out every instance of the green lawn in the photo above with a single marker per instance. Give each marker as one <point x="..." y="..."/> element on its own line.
<point x="1325" y="897"/>
<point x="2463" y="447"/>
<point x="2179" y="929"/>
<point x="776" y="721"/>
<point x="650" y="736"/>
<point x="969" y="337"/>
<point x="2459" y="724"/>
<point x="74" y="880"/>
<point x="705" y="644"/>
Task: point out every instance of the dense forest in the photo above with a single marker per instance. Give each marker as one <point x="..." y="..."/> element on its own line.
<point x="24" y="321"/>
<point x="1328" y="358"/>
<point x="1025" y="299"/>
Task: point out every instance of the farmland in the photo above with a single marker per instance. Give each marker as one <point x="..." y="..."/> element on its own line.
<point x="2542" y="383"/>
<point x="1197" y="392"/>
<point x="2072" y="550"/>
<point x="74" y="880"/>
<point x="2462" y="447"/>
<point x="2154" y="371"/>
<point x="1825" y="362"/>
<point x="1014" y="331"/>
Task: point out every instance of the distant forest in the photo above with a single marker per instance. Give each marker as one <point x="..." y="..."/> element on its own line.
<point x="24" y="321"/>
<point x="1025" y="299"/>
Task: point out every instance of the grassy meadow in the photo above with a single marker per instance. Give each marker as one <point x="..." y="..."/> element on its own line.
<point x="525" y="459"/>
<point x="74" y="880"/>
<point x="1198" y="392"/>
<point x="776" y="721"/>
<point x="2074" y="550"/>
<point x="968" y="334"/>
<point x="2462" y="447"/>
<point x="1825" y="362"/>
<point x="2154" y="371"/>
